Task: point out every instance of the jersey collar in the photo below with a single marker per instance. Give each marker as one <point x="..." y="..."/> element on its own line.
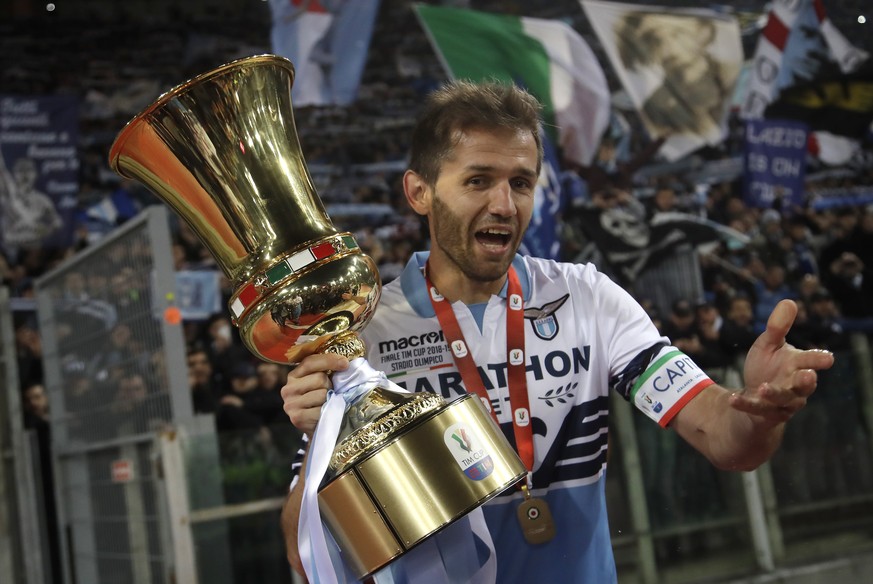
<point x="415" y="290"/>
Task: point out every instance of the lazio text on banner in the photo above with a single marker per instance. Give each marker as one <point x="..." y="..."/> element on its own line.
<point x="678" y="66"/>
<point x="547" y="57"/>
<point x="327" y="41"/>
<point x="775" y="164"/>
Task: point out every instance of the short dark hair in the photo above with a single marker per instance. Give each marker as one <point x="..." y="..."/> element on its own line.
<point x="681" y="308"/>
<point x="462" y="105"/>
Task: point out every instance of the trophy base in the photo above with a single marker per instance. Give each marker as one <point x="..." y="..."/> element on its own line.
<point x="433" y="472"/>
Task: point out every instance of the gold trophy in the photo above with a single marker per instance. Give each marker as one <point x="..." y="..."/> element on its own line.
<point x="222" y="151"/>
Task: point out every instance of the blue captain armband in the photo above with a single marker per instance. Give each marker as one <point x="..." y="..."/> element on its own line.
<point x="667" y="384"/>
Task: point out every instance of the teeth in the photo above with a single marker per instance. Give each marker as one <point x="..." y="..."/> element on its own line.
<point x="496" y="232"/>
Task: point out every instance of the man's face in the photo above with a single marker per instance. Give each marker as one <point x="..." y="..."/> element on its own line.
<point x="25" y="172"/>
<point x="482" y="202"/>
<point x="199" y="367"/>
<point x="36" y="400"/>
<point x="775" y="276"/>
<point x="741" y="312"/>
<point x="269" y="375"/>
<point x="133" y="390"/>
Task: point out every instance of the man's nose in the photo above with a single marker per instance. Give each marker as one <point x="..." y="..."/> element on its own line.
<point x="500" y="200"/>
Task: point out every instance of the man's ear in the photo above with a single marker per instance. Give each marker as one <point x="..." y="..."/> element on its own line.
<point x="417" y="192"/>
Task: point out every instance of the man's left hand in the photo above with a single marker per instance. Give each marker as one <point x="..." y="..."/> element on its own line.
<point x="779" y="377"/>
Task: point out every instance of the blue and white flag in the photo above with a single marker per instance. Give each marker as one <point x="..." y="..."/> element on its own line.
<point x="542" y="238"/>
<point x="798" y="42"/>
<point x="327" y="41"/>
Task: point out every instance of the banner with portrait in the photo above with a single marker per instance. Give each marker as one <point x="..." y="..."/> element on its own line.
<point x="679" y="68"/>
<point x="39" y="170"/>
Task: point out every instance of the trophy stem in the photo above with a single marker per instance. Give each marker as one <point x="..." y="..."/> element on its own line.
<point x="348" y="344"/>
<point x="376" y="414"/>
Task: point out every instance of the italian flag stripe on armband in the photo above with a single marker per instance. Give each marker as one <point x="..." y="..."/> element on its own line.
<point x="667" y="384"/>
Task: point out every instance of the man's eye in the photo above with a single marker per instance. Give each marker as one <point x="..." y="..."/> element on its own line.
<point x="522" y="185"/>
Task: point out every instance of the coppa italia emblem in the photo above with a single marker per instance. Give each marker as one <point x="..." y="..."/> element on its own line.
<point x="468" y="451"/>
<point x="545" y="324"/>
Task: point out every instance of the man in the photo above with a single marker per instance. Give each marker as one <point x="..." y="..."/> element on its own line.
<point x="27" y="215"/>
<point x="205" y="389"/>
<point x="474" y="161"/>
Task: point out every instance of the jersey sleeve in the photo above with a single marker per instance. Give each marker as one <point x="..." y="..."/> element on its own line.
<point x="659" y="381"/>
<point x="670" y="381"/>
<point x="644" y="368"/>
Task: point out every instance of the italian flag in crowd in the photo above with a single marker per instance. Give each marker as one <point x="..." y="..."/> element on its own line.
<point x="547" y="57"/>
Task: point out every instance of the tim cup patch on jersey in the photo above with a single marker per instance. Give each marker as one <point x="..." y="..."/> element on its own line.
<point x="522" y="416"/>
<point x="468" y="451"/>
<point x="543" y="319"/>
<point x="667" y="384"/>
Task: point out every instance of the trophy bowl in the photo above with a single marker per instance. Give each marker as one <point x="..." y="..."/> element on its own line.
<point x="222" y="151"/>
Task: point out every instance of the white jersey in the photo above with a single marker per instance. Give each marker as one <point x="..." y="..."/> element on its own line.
<point x="583" y="335"/>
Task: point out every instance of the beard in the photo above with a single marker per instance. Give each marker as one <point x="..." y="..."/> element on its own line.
<point x="451" y="237"/>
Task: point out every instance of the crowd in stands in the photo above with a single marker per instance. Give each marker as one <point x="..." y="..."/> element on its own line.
<point x="822" y="257"/>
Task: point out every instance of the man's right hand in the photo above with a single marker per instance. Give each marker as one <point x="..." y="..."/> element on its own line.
<point x="305" y="390"/>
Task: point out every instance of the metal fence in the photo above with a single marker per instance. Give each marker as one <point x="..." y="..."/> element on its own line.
<point x="29" y="549"/>
<point x="114" y="368"/>
<point x="147" y="491"/>
<point x="11" y="528"/>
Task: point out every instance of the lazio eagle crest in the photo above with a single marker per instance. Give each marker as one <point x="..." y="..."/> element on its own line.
<point x="543" y="319"/>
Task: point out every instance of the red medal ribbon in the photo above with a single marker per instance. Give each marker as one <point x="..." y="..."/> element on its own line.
<point x="515" y="360"/>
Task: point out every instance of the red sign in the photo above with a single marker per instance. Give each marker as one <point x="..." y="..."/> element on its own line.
<point x="122" y="471"/>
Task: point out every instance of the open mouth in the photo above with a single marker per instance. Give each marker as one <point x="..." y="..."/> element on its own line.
<point x="494" y="237"/>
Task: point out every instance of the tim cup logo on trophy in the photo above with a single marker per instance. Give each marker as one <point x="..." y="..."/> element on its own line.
<point x="222" y="151"/>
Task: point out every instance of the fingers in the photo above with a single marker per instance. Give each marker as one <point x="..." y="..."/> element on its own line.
<point x="774" y="414"/>
<point x="816" y="359"/>
<point x="305" y="411"/>
<point x="319" y="363"/>
<point x="773" y="403"/>
<point x="306" y="387"/>
<point x="803" y="383"/>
